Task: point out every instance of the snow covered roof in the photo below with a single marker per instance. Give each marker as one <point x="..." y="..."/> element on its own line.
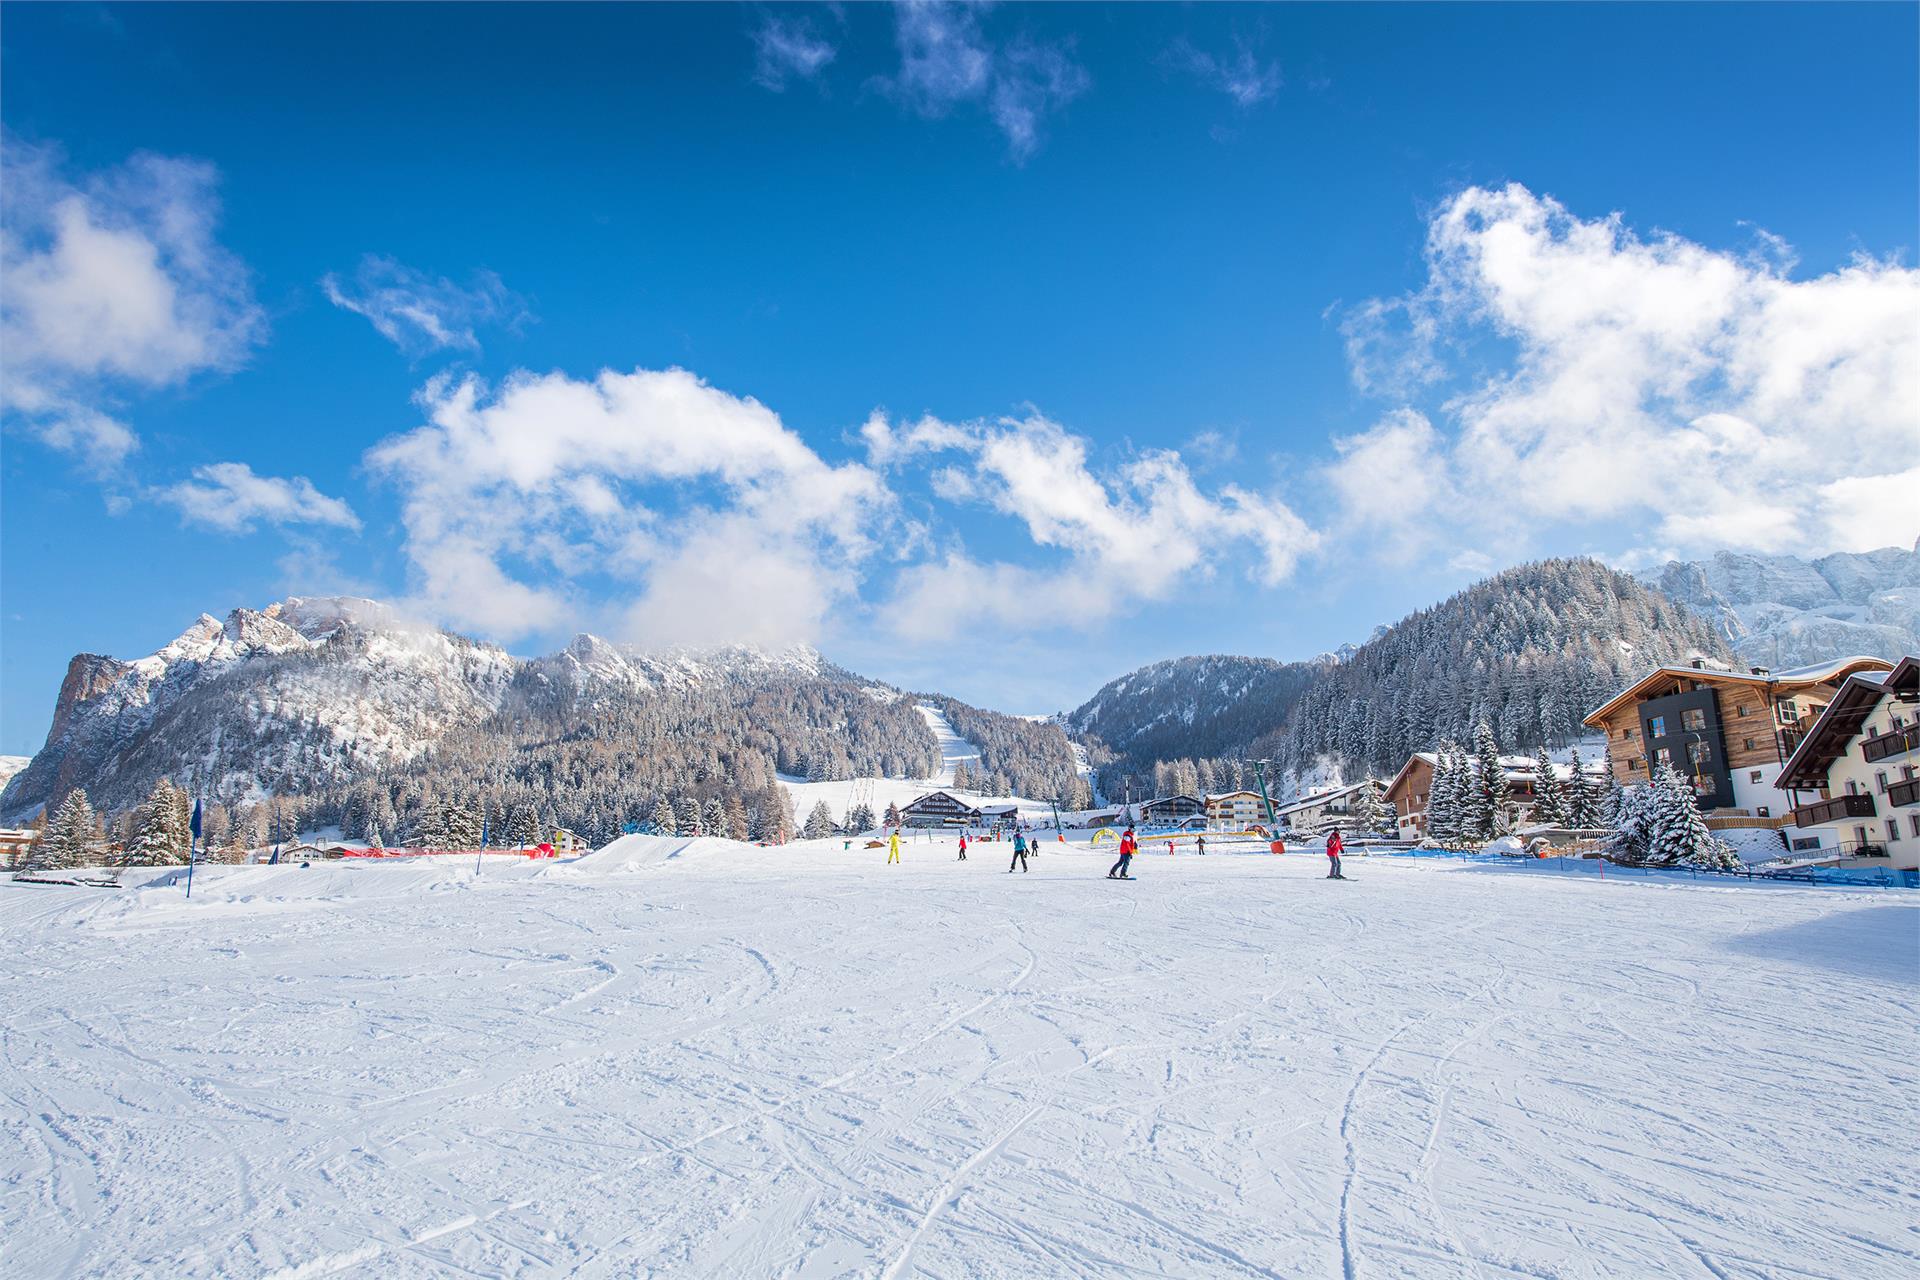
<point x="1814" y="673"/>
<point x="1319" y="798"/>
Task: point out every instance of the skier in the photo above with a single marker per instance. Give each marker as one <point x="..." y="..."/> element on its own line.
<point x="963" y="846"/>
<point x="1019" y="853"/>
<point x="893" y="846"/>
<point x="1200" y="844"/>
<point x="1334" y="845"/>
<point x="1118" y="871"/>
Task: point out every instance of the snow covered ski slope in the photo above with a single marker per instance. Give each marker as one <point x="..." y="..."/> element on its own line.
<point x="692" y="1058"/>
<point x="954" y="750"/>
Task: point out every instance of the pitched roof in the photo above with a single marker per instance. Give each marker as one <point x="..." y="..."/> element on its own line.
<point x="1816" y="673"/>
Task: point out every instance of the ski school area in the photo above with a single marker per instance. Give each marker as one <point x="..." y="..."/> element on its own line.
<point x="696" y="1057"/>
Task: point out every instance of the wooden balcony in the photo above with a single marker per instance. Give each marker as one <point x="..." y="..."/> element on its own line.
<point x="1902" y="794"/>
<point x="1884" y="746"/>
<point x="1834" y="810"/>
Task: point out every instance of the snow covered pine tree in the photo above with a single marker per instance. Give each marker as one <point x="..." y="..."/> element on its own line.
<point x="819" y="822"/>
<point x="1549" y="802"/>
<point x="66" y="841"/>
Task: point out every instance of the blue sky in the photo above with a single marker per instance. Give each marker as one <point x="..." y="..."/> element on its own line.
<point x="1017" y="346"/>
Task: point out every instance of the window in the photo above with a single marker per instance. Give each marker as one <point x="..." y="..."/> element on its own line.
<point x="1705" y="784"/>
<point x="1860" y="835"/>
<point x="1638" y="762"/>
<point x="1741" y="710"/>
<point x="1694" y="719"/>
<point x="1815" y="711"/>
<point x="1853" y="788"/>
<point x="1749" y="744"/>
<point x="1764" y="812"/>
<point x="1663" y="756"/>
<point x="1893" y="831"/>
<point x="1753" y="775"/>
<point x="1789" y="713"/>
<point x="1802" y="843"/>
<point x="1657" y="727"/>
<point x="1880" y="780"/>
<point x="1698" y="754"/>
<point x="1913" y="824"/>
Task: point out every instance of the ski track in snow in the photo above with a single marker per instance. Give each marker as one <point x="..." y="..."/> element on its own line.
<point x="800" y="1062"/>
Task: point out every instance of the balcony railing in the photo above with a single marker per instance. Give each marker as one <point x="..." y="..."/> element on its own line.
<point x="1884" y="746"/>
<point x="1790" y="738"/>
<point x="1902" y="794"/>
<point x="1812" y="815"/>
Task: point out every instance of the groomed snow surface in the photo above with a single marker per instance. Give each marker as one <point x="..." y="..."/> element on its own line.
<point x="698" y="1058"/>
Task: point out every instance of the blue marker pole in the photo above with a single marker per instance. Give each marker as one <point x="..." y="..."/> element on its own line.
<point x="483" y="845"/>
<point x="193" y="844"/>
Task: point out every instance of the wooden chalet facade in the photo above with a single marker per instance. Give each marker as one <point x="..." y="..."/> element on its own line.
<point x="1313" y="814"/>
<point x="1167" y="811"/>
<point x="940" y="809"/>
<point x="1410" y="791"/>
<point x="1728" y="732"/>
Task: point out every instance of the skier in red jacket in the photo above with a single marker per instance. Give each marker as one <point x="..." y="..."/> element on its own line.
<point x="1128" y="847"/>
<point x="1334" y="845"/>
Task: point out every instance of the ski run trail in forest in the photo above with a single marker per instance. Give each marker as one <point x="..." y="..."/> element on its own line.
<point x="954" y="750"/>
<point x="691" y="1057"/>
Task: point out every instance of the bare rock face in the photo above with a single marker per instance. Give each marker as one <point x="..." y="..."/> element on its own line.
<point x="1782" y="611"/>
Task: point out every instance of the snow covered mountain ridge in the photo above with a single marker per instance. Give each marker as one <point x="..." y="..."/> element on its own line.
<point x="1782" y="611"/>
<point x="315" y="690"/>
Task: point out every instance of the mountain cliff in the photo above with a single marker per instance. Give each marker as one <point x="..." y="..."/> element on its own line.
<point x="1782" y="611"/>
<point x="310" y="696"/>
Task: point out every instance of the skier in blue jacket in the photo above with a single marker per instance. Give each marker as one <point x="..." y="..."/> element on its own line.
<point x="1019" y="853"/>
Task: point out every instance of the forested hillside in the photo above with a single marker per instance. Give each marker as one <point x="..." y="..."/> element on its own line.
<point x="1530" y="651"/>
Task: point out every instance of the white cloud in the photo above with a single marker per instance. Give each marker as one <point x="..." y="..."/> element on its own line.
<point x="1244" y="77"/>
<point x="1393" y="485"/>
<point x="713" y="519"/>
<point x="229" y="497"/>
<point x="112" y="285"/>
<point x="787" y="49"/>
<point x="1700" y="397"/>
<point x="1139" y="534"/>
<point x="947" y="60"/>
<point x="421" y="314"/>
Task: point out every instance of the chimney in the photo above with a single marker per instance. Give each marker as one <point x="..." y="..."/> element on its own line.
<point x="1758" y="671"/>
<point x="1699" y="664"/>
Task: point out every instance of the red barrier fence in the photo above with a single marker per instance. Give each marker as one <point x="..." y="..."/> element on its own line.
<point x="533" y="851"/>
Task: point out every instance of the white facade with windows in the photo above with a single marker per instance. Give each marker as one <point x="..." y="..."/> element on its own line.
<point x="1863" y="755"/>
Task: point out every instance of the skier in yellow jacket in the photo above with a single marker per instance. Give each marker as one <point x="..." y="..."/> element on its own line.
<point x="893" y="846"/>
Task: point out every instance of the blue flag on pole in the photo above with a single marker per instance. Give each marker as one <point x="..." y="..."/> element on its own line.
<point x="194" y="826"/>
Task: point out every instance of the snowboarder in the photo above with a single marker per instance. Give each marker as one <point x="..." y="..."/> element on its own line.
<point x="963" y="846"/>
<point x="1019" y="853"/>
<point x="1334" y="845"/>
<point x="893" y="846"/>
<point x="1118" y="871"/>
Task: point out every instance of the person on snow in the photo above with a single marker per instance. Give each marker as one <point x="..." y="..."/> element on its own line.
<point x="893" y="846"/>
<point x="1019" y="853"/>
<point x="1334" y="845"/>
<point x="963" y="846"/>
<point x="1128" y="845"/>
<point x="1200" y="844"/>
